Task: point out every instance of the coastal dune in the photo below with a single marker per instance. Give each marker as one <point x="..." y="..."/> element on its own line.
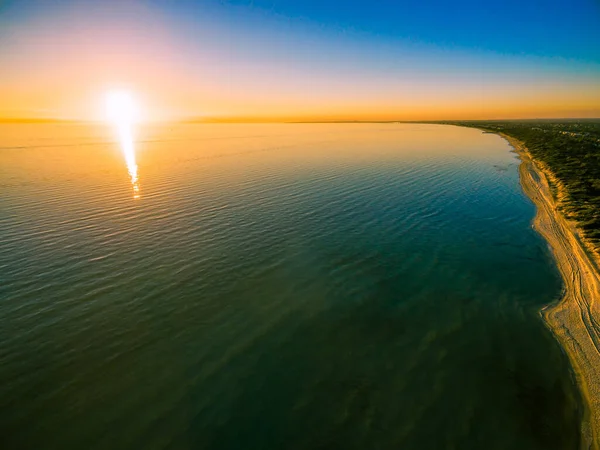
<point x="575" y="319"/>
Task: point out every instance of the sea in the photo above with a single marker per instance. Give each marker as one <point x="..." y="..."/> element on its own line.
<point x="274" y="286"/>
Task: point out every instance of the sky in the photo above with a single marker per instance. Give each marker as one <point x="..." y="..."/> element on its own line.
<point x="255" y="60"/>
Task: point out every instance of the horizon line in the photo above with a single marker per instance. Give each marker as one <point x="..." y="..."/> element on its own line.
<point x="225" y="120"/>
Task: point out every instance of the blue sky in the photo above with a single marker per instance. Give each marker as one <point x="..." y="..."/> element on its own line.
<point x="551" y="28"/>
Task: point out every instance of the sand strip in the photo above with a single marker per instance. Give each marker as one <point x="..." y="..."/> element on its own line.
<point x="575" y="319"/>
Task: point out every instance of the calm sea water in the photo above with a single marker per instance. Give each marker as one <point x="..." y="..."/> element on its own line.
<point x="343" y="286"/>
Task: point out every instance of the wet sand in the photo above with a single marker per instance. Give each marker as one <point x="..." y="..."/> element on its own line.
<point x="575" y="319"/>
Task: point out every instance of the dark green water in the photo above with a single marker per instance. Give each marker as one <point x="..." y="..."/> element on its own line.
<point x="275" y="287"/>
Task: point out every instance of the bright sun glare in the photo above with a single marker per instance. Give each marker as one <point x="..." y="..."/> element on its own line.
<point x="120" y="107"/>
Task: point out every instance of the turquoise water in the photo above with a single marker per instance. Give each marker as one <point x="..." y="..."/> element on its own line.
<point x="301" y="286"/>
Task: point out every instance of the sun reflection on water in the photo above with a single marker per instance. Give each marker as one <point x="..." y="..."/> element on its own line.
<point x="122" y="113"/>
<point x="126" y="140"/>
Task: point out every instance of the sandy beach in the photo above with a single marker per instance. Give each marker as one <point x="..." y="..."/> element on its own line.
<point x="575" y="319"/>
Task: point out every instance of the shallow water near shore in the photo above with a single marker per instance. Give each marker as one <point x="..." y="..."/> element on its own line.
<point x="297" y="286"/>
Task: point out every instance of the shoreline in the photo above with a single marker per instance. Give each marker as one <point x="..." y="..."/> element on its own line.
<point x="575" y="318"/>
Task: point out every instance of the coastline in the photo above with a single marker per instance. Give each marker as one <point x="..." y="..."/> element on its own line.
<point x="575" y="318"/>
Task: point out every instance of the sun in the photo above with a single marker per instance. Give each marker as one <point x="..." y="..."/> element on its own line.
<point x="121" y="108"/>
